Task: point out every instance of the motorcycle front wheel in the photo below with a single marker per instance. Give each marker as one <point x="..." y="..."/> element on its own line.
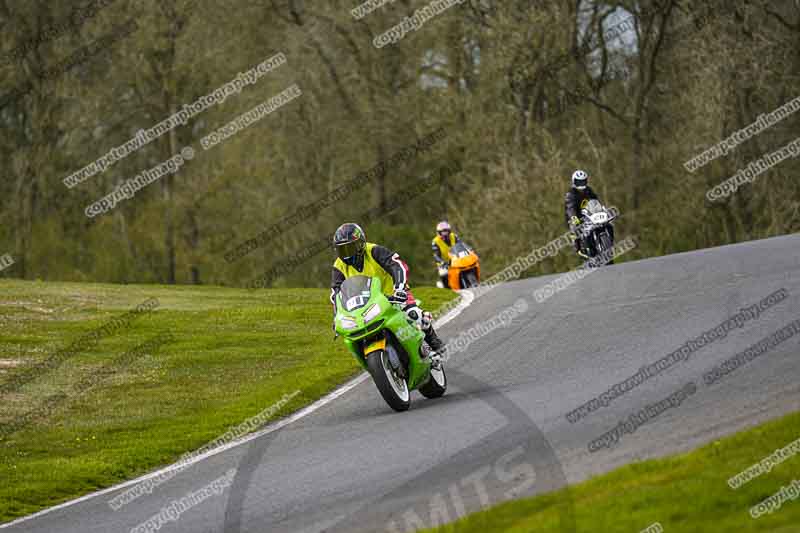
<point x="469" y="280"/>
<point x="391" y="385"/>
<point x="605" y="244"/>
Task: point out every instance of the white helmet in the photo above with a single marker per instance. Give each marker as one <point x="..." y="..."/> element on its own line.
<point x="580" y="179"/>
<point x="442" y="226"/>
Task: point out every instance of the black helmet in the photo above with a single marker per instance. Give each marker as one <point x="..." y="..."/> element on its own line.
<point x="350" y="243"/>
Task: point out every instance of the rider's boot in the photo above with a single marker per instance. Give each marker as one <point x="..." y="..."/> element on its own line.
<point x="576" y="243"/>
<point x="582" y="247"/>
<point x="433" y="340"/>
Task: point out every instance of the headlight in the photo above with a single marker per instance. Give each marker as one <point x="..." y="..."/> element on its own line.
<point x="347" y="323"/>
<point x="372" y="312"/>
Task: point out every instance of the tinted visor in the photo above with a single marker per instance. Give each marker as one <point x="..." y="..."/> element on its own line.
<point x="580" y="183"/>
<point x="348" y="249"/>
<point x="445" y="233"/>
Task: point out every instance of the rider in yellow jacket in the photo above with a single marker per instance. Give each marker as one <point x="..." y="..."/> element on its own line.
<point x="357" y="257"/>
<point x="441" y="244"/>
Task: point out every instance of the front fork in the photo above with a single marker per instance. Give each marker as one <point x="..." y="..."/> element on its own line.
<point x="374" y="345"/>
<point x="382" y="345"/>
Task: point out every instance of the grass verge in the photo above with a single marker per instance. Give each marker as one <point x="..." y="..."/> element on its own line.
<point x="683" y="493"/>
<point x="101" y="417"/>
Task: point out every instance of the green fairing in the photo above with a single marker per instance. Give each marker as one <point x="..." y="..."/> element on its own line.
<point x="388" y="318"/>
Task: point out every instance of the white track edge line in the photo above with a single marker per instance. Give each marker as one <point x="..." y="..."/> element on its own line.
<point x="467" y="297"/>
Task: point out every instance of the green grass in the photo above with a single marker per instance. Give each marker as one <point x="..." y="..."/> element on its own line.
<point x="684" y="493"/>
<point x="235" y="353"/>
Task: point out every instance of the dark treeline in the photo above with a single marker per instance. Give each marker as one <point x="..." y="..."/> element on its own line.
<point x="524" y="92"/>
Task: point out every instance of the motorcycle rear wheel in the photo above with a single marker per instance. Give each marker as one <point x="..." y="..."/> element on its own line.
<point x="436" y="385"/>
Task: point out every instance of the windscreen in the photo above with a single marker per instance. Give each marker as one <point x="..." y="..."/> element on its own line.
<point x="594" y="206"/>
<point x="355" y="292"/>
<point x="460" y="249"/>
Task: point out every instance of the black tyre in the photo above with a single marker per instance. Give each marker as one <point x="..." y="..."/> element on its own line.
<point x="469" y="280"/>
<point x="391" y="385"/>
<point x="436" y="385"/>
<point x="604" y="245"/>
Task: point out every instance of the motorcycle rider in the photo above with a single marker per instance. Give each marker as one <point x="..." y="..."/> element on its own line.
<point x="577" y="197"/>
<point x="357" y="257"/>
<point x="445" y="239"/>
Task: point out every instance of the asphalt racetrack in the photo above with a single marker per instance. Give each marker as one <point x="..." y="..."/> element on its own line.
<point x="500" y="431"/>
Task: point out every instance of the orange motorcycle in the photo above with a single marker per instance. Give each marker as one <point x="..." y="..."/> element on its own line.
<point x="464" y="270"/>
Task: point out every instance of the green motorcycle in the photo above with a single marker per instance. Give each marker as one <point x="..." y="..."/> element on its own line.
<point x="386" y="343"/>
